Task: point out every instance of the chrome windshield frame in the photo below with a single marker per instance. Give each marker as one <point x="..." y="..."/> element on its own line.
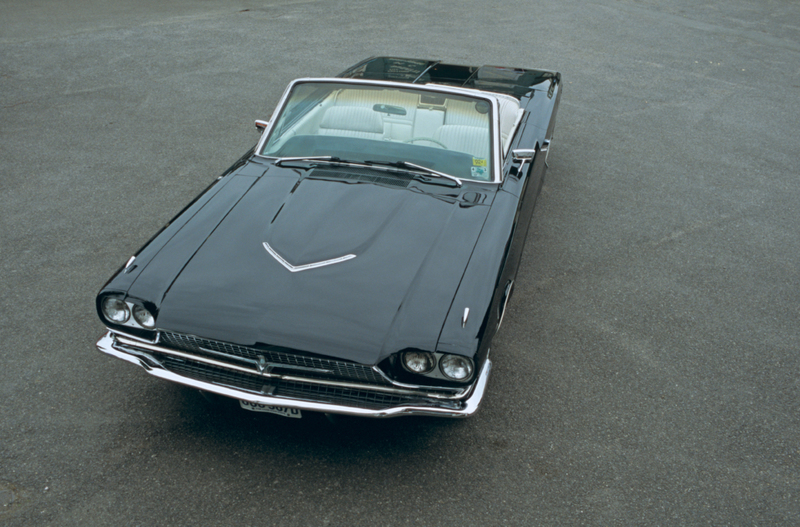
<point x="497" y="150"/>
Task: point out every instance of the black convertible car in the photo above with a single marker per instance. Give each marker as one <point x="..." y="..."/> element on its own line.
<point x="359" y="259"/>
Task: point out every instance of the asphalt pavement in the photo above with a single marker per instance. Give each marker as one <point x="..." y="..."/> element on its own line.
<point x="647" y="369"/>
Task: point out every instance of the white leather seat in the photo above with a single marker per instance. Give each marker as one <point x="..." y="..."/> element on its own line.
<point x="396" y="127"/>
<point x="351" y="121"/>
<point x="509" y="113"/>
<point x="472" y="140"/>
<point x="463" y="113"/>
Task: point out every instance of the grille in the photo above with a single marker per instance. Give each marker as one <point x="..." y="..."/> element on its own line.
<point x="370" y="176"/>
<point x="203" y="372"/>
<point x="297" y="390"/>
<point x="326" y="368"/>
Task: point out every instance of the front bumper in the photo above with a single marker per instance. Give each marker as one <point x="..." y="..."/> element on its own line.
<point x="359" y="399"/>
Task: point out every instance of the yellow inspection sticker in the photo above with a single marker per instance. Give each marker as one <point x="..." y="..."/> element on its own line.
<point x="478" y="162"/>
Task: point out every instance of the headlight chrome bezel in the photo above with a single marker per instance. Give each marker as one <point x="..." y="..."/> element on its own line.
<point x="426" y="356"/>
<point x="143" y="316"/>
<point x="465" y="364"/>
<point x="136" y="313"/>
<point x="111" y="304"/>
<point x="436" y="369"/>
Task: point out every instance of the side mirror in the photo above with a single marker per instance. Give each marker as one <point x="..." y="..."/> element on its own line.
<point x="261" y="125"/>
<point x="523" y="154"/>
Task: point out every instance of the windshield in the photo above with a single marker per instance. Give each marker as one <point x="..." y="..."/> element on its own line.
<point x="441" y="131"/>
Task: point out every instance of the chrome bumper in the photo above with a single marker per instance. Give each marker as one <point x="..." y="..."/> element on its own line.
<point x="137" y="353"/>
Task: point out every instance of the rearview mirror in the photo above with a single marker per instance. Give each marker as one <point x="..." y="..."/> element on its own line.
<point x="261" y="125"/>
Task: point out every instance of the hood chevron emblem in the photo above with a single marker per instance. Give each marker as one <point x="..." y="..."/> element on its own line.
<point x="297" y="269"/>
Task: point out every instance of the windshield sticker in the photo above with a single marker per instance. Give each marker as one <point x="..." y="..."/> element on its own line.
<point x="478" y="162"/>
<point x="479" y="172"/>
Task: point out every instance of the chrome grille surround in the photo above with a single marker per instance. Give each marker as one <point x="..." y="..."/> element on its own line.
<point x="276" y="357"/>
<point x="238" y="377"/>
<point x="292" y="389"/>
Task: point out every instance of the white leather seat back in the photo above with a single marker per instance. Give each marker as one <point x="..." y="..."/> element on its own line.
<point x="396" y="127"/>
<point x="351" y="121"/>
<point x="472" y="140"/>
<point x="509" y="113"/>
<point x="464" y="113"/>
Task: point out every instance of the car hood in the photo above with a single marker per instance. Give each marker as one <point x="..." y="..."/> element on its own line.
<point x="411" y="246"/>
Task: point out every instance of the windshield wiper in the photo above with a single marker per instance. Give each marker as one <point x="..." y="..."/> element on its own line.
<point x="419" y="168"/>
<point x="282" y="160"/>
<point x="333" y="160"/>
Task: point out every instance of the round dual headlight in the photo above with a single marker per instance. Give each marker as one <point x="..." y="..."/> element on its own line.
<point x="115" y="310"/>
<point x="143" y="317"/>
<point x="456" y="367"/>
<point x="418" y="361"/>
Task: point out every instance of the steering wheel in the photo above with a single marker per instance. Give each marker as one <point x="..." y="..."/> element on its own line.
<point x="431" y="139"/>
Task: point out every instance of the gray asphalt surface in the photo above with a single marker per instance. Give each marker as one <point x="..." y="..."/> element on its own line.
<point x="647" y="371"/>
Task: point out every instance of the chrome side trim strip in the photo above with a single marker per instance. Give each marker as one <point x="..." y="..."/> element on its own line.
<point x="546" y="150"/>
<point x="469" y="405"/>
<point x="298" y="268"/>
<point x="509" y="288"/>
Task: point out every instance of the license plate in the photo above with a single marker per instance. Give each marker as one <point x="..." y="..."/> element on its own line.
<point x="294" y="413"/>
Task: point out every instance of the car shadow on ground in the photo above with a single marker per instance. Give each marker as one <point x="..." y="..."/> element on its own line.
<point x="223" y="420"/>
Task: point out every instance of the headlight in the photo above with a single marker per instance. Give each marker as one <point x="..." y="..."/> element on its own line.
<point x="143" y="317"/>
<point x="115" y="310"/>
<point x="456" y="367"/>
<point x="418" y="361"/>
